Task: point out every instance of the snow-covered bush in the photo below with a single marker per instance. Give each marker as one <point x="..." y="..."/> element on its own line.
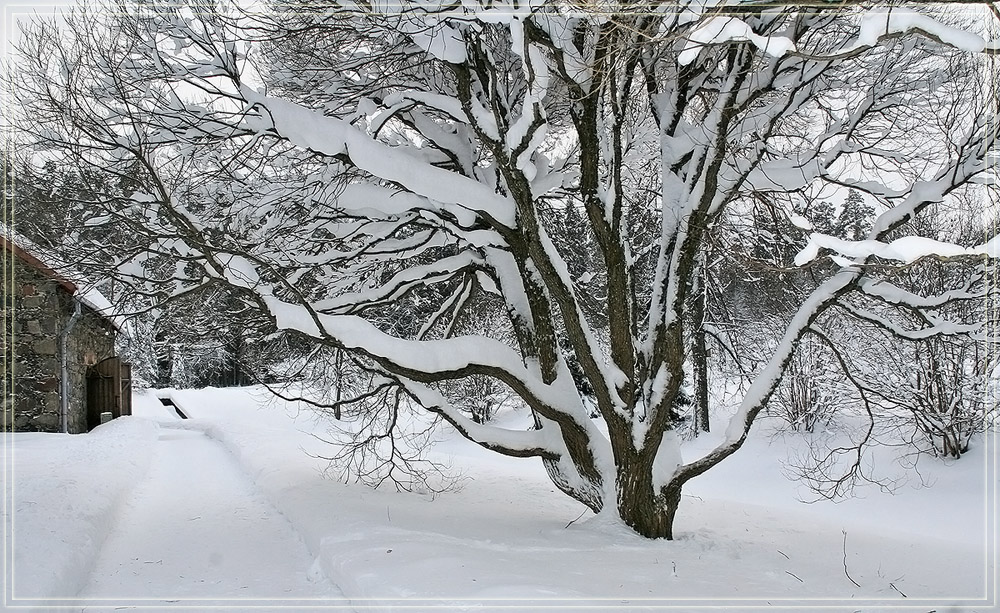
<point x="812" y="391"/>
<point x="945" y="390"/>
<point x="481" y="396"/>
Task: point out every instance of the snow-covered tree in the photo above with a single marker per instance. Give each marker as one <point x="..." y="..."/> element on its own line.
<point x="855" y="219"/>
<point x="342" y="165"/>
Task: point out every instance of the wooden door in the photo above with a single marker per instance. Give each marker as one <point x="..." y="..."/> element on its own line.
<point x="109" y="389"/>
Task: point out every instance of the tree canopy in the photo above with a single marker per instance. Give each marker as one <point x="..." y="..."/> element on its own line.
<point x="336" y="166"/>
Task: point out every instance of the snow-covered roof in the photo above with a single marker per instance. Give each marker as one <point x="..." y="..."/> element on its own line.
<point x="78" y="286"/>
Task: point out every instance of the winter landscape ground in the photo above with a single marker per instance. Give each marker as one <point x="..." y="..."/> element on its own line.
<point x="230" y="507"/>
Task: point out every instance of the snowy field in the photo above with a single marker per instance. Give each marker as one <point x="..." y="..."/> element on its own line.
<point x="231" y="508"/>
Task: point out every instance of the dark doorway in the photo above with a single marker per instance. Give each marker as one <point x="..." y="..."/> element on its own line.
<point x="109" y="389"/>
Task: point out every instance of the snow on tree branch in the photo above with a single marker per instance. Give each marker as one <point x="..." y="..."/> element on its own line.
<point x="333" y="137"/>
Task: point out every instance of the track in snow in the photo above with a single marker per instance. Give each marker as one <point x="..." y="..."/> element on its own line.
<point x="197" y="531"/>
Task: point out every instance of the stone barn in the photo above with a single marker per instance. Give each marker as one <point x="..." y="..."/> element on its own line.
<point x="59" y="347"/>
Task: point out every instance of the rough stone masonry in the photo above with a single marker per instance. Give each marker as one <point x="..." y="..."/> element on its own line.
<point x="41" y="306"/>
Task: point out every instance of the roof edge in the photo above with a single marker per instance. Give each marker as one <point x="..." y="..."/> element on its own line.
<point x="37" y="264"/>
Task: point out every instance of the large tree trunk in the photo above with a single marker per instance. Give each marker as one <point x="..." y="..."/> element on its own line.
<point x="647" y="511"/>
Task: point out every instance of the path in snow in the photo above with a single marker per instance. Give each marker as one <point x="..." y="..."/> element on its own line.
<point x="198" y="531"/>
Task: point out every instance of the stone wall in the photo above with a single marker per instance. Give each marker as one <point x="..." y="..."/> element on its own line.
<point x="91" y="341"/>
<point x="42" y="308"/>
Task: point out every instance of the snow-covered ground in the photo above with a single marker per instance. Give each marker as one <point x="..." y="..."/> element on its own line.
<point x="197" y="527"/>
<point x="230" y="507"/>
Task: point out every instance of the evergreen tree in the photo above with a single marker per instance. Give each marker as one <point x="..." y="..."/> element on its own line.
<point x="856" y="218"/>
